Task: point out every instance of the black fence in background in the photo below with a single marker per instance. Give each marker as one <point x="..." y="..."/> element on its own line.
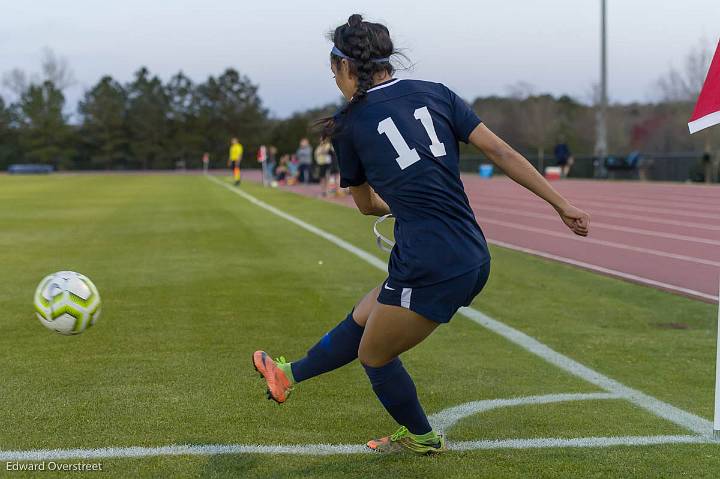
<point x="681" y="167"/>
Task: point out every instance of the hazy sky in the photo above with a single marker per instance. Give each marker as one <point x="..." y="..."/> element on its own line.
<point x="477" y="47"/>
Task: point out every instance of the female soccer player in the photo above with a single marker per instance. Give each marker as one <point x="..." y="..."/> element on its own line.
<point x="397" y="144"/>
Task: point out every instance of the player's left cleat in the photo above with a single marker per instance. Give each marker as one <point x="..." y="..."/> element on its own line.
<point x="279" y="385"/>
<point x="403" y="440"/>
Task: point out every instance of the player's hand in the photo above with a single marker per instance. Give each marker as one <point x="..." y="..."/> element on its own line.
<point x="575" y="219"/>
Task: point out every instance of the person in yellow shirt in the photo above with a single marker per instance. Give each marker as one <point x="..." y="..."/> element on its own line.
<point x="236" y="152"/>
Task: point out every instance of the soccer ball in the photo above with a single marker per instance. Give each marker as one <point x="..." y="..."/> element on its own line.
<point x="67" y="302"/>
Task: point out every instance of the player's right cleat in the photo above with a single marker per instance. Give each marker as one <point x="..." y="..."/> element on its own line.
<point x="403" y="440"/>
<point x="279" y="385"/>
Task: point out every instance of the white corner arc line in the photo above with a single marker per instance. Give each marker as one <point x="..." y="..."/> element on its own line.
<point x="608" y="271"/>
<point x="688" y="420"/>
<point x="447" y="418"/>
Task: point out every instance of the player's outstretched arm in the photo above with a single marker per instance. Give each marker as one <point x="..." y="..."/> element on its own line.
<point x="522" y="172"/>
<point x="369" y="202"/>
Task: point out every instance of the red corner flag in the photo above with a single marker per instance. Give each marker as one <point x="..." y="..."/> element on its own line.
<point x="707" y="108"/>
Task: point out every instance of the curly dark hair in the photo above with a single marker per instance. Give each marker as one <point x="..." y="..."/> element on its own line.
<point x="364" y="43"/>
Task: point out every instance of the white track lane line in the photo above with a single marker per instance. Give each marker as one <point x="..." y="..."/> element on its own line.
<point x="610" y="244"/>
<point x="673" y="414"/>
<point x="629" y="207"/>
<point x="534" y="205"/>
<point x="608" y="271"/>
<point x="596" y="224"/>
<point x="664" y="202"/>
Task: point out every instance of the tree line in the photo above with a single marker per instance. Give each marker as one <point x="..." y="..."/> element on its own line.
<point x="148" y="123"/>
<point x="145" y="123"/>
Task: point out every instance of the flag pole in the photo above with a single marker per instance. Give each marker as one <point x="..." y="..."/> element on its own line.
<point x="716" y="423"/>
<point x="705" y="115"/>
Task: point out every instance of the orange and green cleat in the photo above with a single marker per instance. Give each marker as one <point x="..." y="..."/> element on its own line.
<point x="277" y="375"/>
<point x="403" y="440"/>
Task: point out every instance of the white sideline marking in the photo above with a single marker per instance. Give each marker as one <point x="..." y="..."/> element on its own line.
<point x="443" y="420"/>
<point x="362" y="254"/>
<point x="329" y="449"/>
<point x="577" y="442"/>
<point x="664" y="410"/>
<point x="608" y="271"/>
<point x="178" y="450"/>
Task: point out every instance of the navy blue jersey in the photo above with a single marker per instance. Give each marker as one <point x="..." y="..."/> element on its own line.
<point x="402" y="139"/>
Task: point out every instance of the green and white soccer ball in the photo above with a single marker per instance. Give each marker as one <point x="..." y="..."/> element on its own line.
<point x="67" y="302"/>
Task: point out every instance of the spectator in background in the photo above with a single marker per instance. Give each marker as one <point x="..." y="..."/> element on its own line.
<point x="334" y="180"/>
<point x="304" y="157"/>
<point x="235" y="157"/>
<point x="323" y="158"/>
<point x="282" y="171"/>
<point x="262" y="159"/>
<point x="287" y="170"/>
<point x="272" y="161"/>
<point x="564" y="157"/>
<point x="206" y="162"/>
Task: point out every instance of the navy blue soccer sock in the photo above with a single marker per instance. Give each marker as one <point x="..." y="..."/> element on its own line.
<point x="396" y="391"/>
<point x="336" y="349"/>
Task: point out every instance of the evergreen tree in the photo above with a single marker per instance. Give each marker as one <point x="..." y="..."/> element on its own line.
<point x="44" y="136"/>
<point x="9" y="152"/>
<point x="186" y="140"/>
<point x="104" y="129"/>
<point x="229" y="106"/>
<point x="148" y="126"/>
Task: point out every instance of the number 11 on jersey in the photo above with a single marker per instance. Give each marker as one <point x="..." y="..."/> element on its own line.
<point x="406" y="155"/>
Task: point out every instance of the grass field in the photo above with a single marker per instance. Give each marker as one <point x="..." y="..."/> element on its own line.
<point x="194" y="278"/>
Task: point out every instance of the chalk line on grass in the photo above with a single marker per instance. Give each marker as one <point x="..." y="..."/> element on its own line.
<point x="442" y="420"/>
<point x="447" y="418"/>
<point x="579" y="442"/>
<point x="329" y="449"/>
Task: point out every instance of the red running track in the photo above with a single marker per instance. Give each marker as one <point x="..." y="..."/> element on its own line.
<point x="658" y="234"/>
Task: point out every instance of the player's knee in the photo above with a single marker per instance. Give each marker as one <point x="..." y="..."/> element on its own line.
<point x="362" y="311"/>
<point x="372" y="358"/>
<point x="360" y="316"/>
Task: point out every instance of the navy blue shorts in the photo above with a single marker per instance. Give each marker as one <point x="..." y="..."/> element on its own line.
<point x="437" y="302"/>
